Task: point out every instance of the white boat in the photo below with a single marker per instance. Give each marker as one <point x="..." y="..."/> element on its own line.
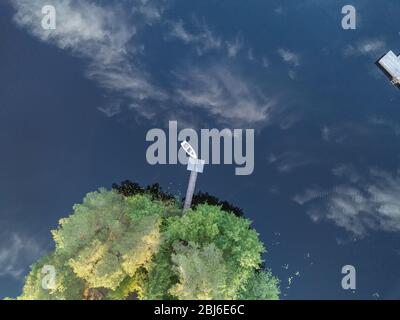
<point x="390" y="63"/>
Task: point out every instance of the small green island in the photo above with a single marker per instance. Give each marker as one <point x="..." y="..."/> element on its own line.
<point x="135" y="243"/>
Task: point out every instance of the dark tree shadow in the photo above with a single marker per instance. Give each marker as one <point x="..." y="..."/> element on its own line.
<point x="129" y="188"/>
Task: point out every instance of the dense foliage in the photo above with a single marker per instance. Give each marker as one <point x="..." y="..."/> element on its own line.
<point x="140" y="246"/>
<point x="205" y="197"/>
<point x="129" y="188"/>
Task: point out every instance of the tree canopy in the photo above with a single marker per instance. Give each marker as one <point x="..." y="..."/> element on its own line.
<point x="124" y="245"/>
<point x="129" y="188"/>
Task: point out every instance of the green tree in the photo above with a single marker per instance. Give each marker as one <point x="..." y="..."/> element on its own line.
<point x="140" y="247"/>
<point x="261" y="285"/>
<point x="67" y="285"/>
<point x="202" y="273"/>
<point x="232" y="236"/>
